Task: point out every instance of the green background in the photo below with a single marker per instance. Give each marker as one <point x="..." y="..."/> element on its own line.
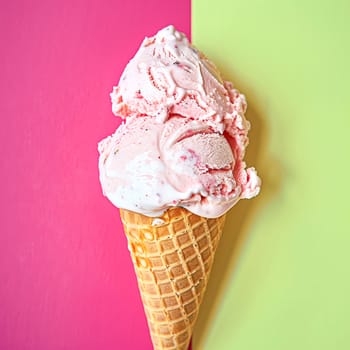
<point x="281" y="276"/>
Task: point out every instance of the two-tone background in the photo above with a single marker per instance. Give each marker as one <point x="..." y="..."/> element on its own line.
<point x="281" y="277"/>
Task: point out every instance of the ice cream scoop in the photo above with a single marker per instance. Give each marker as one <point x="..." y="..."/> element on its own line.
<point x="183" y="135"/>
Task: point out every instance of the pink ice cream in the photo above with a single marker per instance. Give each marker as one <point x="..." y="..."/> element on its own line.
<point x="183" y="136"/>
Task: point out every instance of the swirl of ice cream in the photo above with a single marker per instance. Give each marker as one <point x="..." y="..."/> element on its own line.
<point x="183" y="136"/>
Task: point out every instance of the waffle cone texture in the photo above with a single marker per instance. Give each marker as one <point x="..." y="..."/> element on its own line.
<point x="173" y="256"/>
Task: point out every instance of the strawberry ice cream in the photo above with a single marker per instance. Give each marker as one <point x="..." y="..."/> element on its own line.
<point x="183" y="135"/>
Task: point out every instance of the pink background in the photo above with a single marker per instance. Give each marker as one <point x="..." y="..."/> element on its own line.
<point x="67" y="281"/>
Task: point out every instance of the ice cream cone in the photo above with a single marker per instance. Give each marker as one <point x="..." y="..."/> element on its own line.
<point x="173" y="256"/>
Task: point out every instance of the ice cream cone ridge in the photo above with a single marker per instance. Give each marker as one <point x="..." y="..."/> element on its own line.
<point x="173" y="256"/>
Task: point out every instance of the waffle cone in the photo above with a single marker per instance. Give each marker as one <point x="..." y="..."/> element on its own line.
<point x="172" y="260"/>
